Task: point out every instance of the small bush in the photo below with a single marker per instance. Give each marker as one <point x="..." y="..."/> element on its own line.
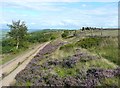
<point x="28" y="83"/>
<point x="89" y="42"/>
<point x="14" y="50"/>
<point x="67" y="47"/>
<point x="52" y="37"/>
<point x="65" y="34"/>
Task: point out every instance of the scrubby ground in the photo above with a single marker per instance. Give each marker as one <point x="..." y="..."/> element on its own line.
<point x="63" y="64"/>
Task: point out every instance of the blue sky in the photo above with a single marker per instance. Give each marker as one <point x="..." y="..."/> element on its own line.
<point x="68" y="15"/>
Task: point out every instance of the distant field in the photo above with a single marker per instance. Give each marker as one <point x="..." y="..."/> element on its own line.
<point x="98" y="33"/>
<point x="107" y="33"/>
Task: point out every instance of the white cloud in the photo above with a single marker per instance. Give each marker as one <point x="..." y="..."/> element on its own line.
<point x="84" y="5"/>
<point x="32" y="5"/>
<point x="69" y="17"/>
<point x="59" y="1"/>
<point x="2" y="21"/>
<point x="33" y="23"/>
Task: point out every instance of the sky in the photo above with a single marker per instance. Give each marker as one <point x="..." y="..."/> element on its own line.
<point x="61" y="15"/>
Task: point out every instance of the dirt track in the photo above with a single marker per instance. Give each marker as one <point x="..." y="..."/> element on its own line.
<point x="24" y="59"/>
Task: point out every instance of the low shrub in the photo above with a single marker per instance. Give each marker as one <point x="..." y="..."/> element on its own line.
<point x="65" y="34"/>
<point x="52" y="37"/>
<point x="88" y="42"/>
<point x="67" y="47"/>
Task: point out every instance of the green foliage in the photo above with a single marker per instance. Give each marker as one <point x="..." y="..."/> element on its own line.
<point x="110" y="81"/>
<point x="108" y="49"/>
<point x="52" y="37"/>
<point x="67" y="47"/>
<point x="65" y="34"/>
<point x="63" y="72"/>
<point x="89" y="42"/>
<point x="7" y="45"/>
<point x="28" y="83"/>
<point x="41" y="36"/>
<point x="18" y="31"/>
<point x="0" y="47"/>
<point x="14" y="50"/>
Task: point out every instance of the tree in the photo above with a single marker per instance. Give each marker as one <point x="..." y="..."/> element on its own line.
<point x="83" y="28"/>
<point x="87" y="28"/>
<point x="18" y="31"/>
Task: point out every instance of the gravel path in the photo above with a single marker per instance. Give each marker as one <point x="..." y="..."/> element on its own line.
<point x="26" y="58"/>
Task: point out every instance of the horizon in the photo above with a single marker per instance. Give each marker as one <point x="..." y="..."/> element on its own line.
<point x="62" y="15"/>
<point x="34" y="30"/>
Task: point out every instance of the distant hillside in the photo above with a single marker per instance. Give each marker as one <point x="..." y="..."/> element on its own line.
<point x="3" y="33"/>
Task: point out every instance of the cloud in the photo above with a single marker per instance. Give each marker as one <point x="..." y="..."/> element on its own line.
<point x="84" y="5"/>
<point x="59" y="1"/>
<point x="64" y="15"/>
<point x="31" y="5"/>
<point x="33" y="23"/>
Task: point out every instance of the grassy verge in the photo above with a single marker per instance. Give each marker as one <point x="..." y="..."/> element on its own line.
<point x="10" y="56"/>
<point x="107" y="49"/>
